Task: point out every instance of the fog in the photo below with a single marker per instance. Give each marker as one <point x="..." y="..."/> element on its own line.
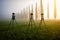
<point x="7" y="7"/>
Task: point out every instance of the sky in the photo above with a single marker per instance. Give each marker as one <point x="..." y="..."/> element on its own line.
<point x="9" y="6"/>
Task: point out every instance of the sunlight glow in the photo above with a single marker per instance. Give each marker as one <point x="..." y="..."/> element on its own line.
<point x="17" y="6"/>
<point x="51" y="8"/>
<point x="58" y="8"/>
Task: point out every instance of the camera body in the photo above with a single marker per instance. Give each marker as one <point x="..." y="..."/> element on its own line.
<point x="31" y="14"/>
<point x="13" y="16"/>
<point x="42" y="16"/>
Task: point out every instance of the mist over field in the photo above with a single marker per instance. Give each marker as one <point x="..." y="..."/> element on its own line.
<point x="7" y="7"/>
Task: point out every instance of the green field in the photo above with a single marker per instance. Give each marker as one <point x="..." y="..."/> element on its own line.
<point x="22" y="31"/>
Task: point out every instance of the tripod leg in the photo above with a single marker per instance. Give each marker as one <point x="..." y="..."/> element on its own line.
<point x="40" y="23"/>
<point x="9" y="25"/>
<point x="34" y="23"/>
<point x="16" y="23"/>
<point x="29" y="23"/>
<point x="12" y="23"/>
<point x="44" y="22"/>
<point x="28" y="26"/>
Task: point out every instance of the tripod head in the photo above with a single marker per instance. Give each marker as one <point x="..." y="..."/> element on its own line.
<point x="42" y="16"/>
<point x="31" y="16"/>
<point x="13" y="16"/>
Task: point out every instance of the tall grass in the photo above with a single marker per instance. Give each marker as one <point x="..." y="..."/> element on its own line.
<point x="50" y="31"/>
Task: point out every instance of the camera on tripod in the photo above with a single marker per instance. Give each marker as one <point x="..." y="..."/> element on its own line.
<point x="13" y="16"/>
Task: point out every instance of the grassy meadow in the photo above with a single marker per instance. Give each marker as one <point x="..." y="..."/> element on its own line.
<point x="22" y="31"/>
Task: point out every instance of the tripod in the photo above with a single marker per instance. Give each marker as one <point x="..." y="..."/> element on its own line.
<point x="31" y="24"/>
<point x="31" y="21"/>
<point x="13" y="20"/>
<point x="42" y="19"/>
